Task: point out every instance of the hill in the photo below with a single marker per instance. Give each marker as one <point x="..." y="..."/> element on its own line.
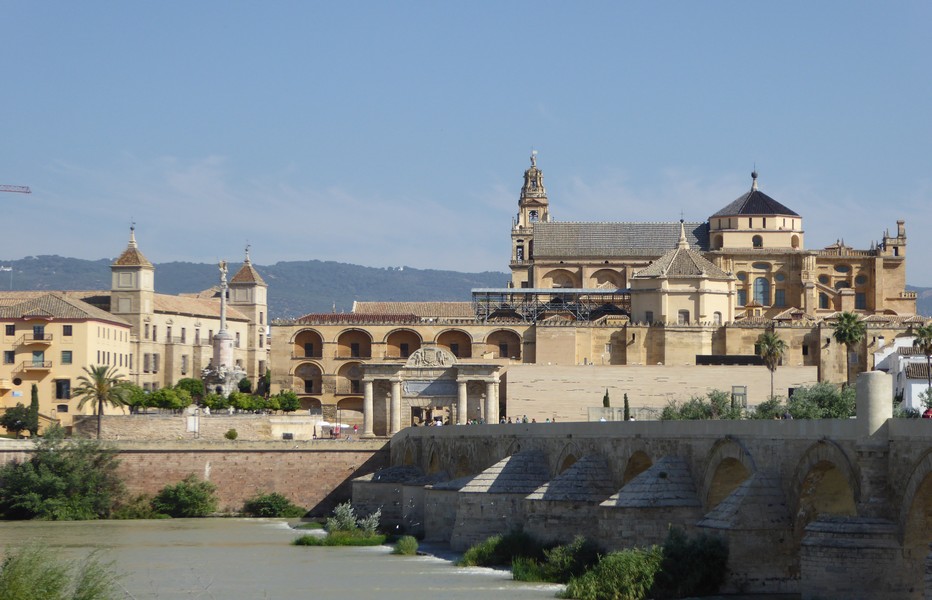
<point x="295" y="288"/>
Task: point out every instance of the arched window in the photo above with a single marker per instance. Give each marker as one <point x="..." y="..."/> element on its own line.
<point x="519" y="252"/>
<point x="823" y="300"/>
<point x="717" y="318"/>
<point x="682" y="317"/>
<point x="757" y="241"/>
<point x="532" y="216"/>
<point x="718" y="242"/>
<point x="794" y="241"/>
<point x="742" y="297"/>
<point x="762" y="291"/>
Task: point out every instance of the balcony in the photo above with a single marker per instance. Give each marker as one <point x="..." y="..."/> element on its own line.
<point x="34" y="339"/>
<point x="36" y="365"/>
<point x="296" y="356"/>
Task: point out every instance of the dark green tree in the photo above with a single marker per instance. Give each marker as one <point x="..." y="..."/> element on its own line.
<point x="605" y="400"/>
<point x="288" y="401"/>
<point x="923" y="343"/>
<point x="63" y="480"/>
<point x="101" y="385"/>
<point x="194" y="387"/>
<point x="849" y="330"/>
<point x="33" y="420"/>
<point x="771" y="349"/>
<point x="245" y="385"/>
<point x="15" y="419"/>
<point x="627" y="409"/>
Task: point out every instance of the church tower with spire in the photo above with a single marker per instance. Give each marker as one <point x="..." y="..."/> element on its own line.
<point x="533" y="207"/>
<point x="132" y="286"/>
<point x="248" y="295"/>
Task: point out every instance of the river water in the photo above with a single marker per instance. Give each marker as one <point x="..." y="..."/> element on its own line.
<point x="252" y="559"/>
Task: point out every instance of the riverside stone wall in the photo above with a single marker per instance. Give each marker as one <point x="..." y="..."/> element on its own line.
<point x="316" y="475"/>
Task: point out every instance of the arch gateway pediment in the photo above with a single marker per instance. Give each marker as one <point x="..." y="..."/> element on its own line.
<point x="430" y="357"/>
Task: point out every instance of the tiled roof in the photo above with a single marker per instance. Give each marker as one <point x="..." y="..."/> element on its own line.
<point x="355" y="319"/>
<point x="424" y="310"/>
<point x="196" y="307"/>
<point x="55" y="305"/>
<point x="132" y="257"/>
<point x="917" y="370"/>
<point x="908" y="351"/>
<point x="248" y="274"/>
<point x="682" y="263"/>
<point x="755" y="202"/>
<point x="560" y="240"/>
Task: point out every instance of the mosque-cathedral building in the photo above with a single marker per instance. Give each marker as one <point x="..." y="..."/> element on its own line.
<point x="673" y="302"/>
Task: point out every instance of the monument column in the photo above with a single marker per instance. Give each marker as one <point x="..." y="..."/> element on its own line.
<point x="461" y="416"/>
<point x="367" y="409"/>
<point x="396" y="407"/>
<point x="491" y="403"/>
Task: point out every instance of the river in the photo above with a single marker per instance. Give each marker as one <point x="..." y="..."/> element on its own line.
<point x="252" y="559"/>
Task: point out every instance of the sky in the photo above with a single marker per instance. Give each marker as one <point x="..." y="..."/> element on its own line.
<point x="397" y="133"/>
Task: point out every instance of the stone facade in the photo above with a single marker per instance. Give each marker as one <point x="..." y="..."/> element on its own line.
<point x="807" y="506"/>
<point x="670" y="294"/>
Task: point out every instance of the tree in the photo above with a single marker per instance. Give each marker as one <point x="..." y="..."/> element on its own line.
<point x="15" y="419"/>
<point x="245" y="385"/>
<point x="170" y="399"/>
<point x="102" y="385"/>
<point x="923" y="343"/>
<point x="627" y="409"/>
<point x="849" y="330"/>
<point x="771" y="349"/>
<point x="288" y="401"/>
<point x="61" y="481"/>
<point x="32" y="423"/>
<point x="195" y="387"/>
<point x="605" y="400"/>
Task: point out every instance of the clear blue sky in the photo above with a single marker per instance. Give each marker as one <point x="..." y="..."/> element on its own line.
<point x="396" y="133"/>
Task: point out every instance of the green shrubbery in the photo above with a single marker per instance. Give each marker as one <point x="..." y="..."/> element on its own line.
<point x="715" y="405"/>
<point x="191" y="497"/>
<point x="820" y="401"/>
<point x="344" y="529"/>
<point x="501" y="550"/>
<point x="625" y="575"/>
<point x="35" y="572"/>
<point x="559" y="564"/>
<point x="272" y="505"/>
<point x="682" y="567"/>
<point x="72" y="480"/>
<point x="406" y="545"/>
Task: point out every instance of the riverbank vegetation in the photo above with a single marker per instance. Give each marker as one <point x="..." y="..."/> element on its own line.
<point x="272" y="506"/>
<point x="36" y="572"/>
<point x="71" y="480"/>
<point x="683" y="566"/>
<point x="345" y="529"/>
<point x="819" y="401"/>
<point x="406" y="546"/>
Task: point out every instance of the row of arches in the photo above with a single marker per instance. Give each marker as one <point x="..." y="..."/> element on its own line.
<point x="401" y="343"/>
<point x="603" y="278"/>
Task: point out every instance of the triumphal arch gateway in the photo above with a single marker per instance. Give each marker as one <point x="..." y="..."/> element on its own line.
<point x="659" y="305"/>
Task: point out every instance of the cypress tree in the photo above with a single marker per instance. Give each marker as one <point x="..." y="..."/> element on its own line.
<point x="32" y="422"/>
<point x="605" y="401"/>
<point x="627" y="409"/>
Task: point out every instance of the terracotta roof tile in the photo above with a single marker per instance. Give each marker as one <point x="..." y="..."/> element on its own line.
<point x="248" y="274"/>
<point x="424" y="310"/>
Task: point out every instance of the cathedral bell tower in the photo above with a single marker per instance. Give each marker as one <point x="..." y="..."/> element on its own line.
<point x="533" y="207"/>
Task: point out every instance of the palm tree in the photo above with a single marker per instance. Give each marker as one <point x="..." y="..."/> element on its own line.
<point x="771" y="350"/>
<point x="102" y="385"/>
<point x="849" y="330"/>
<point x="923" y="343"/>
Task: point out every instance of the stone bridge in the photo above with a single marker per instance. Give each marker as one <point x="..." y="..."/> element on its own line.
<point x="826" y="509"/>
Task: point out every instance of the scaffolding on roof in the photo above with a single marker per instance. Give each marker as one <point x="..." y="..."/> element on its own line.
<point x="533" y="304"/>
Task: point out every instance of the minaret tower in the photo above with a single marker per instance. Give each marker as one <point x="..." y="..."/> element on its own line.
<point x="533" y="207"/>
<point x="132" y="284"/>
<point x="248" y="294"/>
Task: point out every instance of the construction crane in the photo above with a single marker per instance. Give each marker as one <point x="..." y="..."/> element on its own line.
<point x="22" y="189"/>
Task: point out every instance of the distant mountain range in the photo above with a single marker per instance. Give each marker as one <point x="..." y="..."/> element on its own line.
<point x="295" y="288"/>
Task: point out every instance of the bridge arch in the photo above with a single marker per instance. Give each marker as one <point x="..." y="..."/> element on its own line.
<point x="637" y="463"/>
<point x="728" y="465"/>
<point x="825" y="483"/>
<point x="916" y="513"/>
<point x="567" y="458"/>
